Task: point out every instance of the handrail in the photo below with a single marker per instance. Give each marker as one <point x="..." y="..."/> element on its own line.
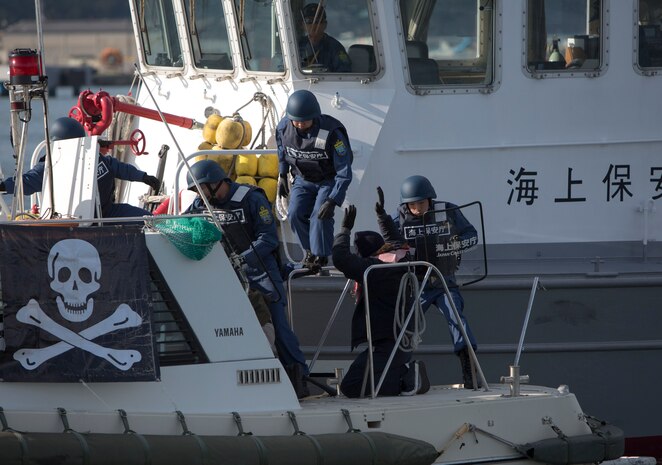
<point x="430" y="269"/>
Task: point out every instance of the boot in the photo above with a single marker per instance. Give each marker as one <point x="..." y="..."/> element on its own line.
<point x="467" y="369"/>
<point x="296" y="374"/>
<point x="319" y="263"/>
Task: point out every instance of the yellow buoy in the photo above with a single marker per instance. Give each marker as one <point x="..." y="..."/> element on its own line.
<point x="225" y="160"/>
<point x="233" y="133"/>
<point x="246" y="180"/>
<point x="246" y="165"/>
<point x="203" y="146"/>
<point x="210" y="127"/>
<point x="267" y="165"/>
<point x="268" y="185"/>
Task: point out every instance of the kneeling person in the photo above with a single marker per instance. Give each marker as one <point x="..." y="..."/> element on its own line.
<point x="404" y="376"/>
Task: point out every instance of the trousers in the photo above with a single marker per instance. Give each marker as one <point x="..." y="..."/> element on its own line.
<point x="306" y="198"/>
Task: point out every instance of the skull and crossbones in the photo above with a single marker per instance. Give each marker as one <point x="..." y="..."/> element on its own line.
<point x="74" y="267"/>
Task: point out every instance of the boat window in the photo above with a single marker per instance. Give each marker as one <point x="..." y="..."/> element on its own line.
<point x="207" y="28"/>
<point x="335" y="36"/>
<point x="448" y="43"/>
<point x="259" y="36"/>
<point x="158" y="28"/>
<point x="649" y="36"/>
<point x="564" y="37"/>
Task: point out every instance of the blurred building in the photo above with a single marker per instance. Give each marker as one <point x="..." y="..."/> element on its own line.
<point x="107" y="45"/>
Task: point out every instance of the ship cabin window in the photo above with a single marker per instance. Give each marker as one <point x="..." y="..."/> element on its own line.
<point x="335" y="38"/>
<point x="207" y="28"/>
<point x="259" y="36"/>
<point x="448" y="43"/>
<point x="158" y="33"/>
<point x="649" y="36"/>
<point x="564" y="38"/>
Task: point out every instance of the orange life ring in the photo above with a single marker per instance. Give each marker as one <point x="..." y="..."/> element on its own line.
<point x="110" y="57"/>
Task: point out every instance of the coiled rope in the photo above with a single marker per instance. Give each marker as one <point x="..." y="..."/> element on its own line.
<point x="409" y="289"/>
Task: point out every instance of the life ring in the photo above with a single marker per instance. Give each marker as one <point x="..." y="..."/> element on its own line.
<point x="110" y="57"/>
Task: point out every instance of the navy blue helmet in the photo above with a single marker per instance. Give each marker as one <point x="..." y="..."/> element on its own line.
<point x="416" y="188"/>
<point x="66" y="128"/>
<point x="205" y="171"/>
<point x="303" y="106"/>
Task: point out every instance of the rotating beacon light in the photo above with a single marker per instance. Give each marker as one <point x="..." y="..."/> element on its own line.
<point x="24" y="67"/>
<point x="25" y="80"/>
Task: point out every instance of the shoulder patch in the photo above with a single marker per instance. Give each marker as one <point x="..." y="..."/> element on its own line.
<point x="340" y="148"/>
<point x="265" y="215"/>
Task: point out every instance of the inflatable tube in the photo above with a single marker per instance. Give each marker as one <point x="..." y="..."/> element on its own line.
<point x="134" y="449"/>
<point x="606" y="443"/>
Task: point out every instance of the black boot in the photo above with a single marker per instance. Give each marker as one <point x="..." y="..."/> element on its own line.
<point x="296" y="374"/>
<point x="467" y="369"/>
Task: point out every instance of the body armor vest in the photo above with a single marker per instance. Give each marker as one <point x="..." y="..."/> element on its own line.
<point x="431" y="237"/>
<point x="311" y="158"/>
<point x="234" y="218"/>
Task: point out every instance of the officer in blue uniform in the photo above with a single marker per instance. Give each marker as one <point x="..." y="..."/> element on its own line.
<point x="317" y="49"/>
<point x="108" y="169"/>
<point x="447" y="232"/>
<point x="315" y="147"/>
<point x="249" y="226"/>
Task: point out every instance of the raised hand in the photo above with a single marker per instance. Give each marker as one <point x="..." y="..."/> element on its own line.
<point x="349" y="218"/>
<point x="379" y="206"/>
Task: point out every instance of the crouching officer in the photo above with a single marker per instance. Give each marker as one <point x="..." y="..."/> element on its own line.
<point x="249" y="226"/>
<point x="434" y="232"/>
<point x="315" y="147"/>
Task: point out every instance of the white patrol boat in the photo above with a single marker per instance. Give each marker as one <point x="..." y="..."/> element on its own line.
<point x="538" y="110"/>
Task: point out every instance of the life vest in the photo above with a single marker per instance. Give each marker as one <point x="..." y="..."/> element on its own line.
<point x="234" y="217"/>
<point x="430" y="238"/>
<point x="312" y="158"/>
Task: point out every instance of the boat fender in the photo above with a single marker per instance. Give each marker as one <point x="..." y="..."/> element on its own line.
<point x="298" y="449"/>
<point x="605" y="443"/>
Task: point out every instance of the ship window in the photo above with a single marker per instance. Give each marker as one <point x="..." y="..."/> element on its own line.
<point x="649" y="35"/>
<point x="158" y="28"/>
<point x="209" y="35"/>
<point x="564" y="37"/>
<point x="336" y="37"/>
<point x="259" y="36"/>
<point x="448" y="43"/>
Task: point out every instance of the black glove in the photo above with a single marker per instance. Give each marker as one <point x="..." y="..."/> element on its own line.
<point x="283" y="187"/>
<point x="152" y="181"/>
<point x="326" y="210"/>
<point x="350" y="216"/>
<point x="2" y="186"/>
<point x="379" y="206"/>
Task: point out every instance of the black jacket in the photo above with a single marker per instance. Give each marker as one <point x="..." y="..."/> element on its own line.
<point x="383" y="286"/>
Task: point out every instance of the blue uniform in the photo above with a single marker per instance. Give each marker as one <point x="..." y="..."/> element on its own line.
<point x="249" y="225"/>
<point x="108" y="170"/>
<point x="321" y="161"/>
<point x="328" y="53"/>
<point x="441" y="227"/>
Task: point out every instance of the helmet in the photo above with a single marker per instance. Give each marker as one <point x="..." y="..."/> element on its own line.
<point x="66" y="128"/>
<point x="416" y="188"/>
<point x="302" y="106"/>
<point x="205" y="171"/>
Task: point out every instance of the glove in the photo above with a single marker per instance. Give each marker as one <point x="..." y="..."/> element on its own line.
<point x="283" y="187"/>
<point x="2" y="186"/>
<point x="350" y="216"/>
<point x="326" y="210"/>
<point x="379" y="206"/>
<point x="152" y="181"/>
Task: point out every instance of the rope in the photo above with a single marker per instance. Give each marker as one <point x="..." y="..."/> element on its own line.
<point x="409" y="287"/>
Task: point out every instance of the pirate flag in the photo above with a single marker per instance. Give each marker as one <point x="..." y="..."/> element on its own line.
<point x="77" y="305"/>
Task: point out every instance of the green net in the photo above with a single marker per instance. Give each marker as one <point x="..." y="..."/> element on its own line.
<point x="193" y="237"/>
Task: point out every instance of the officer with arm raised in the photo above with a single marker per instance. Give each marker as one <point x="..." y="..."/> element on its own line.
<point x="420" y="218"/>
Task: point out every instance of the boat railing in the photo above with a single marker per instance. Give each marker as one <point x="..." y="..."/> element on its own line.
<point x="430" y="269"/>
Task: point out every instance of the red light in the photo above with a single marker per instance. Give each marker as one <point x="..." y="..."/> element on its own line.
<point x="23" y="66"/>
